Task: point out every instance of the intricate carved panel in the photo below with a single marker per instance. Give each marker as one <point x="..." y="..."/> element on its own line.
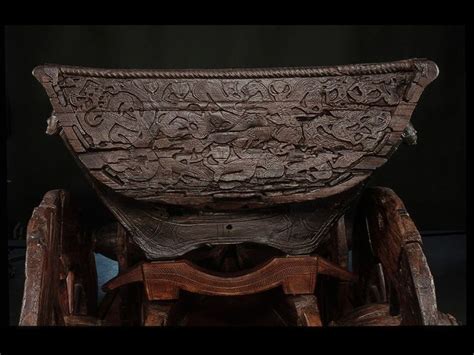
<point x="167" y="233"/>
<point x="261" y="136"/>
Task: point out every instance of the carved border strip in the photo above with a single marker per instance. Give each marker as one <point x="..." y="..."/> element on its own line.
<point x="352" y="69"/>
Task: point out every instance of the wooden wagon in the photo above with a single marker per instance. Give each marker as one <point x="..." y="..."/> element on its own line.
<point x="233" y="182"/>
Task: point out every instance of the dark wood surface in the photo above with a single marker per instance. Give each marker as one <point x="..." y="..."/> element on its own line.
<point x="61" y="278"/>
<point x="373" y="314"/>
<point x="301" y="310"/>
<point x="163" y="233"/>
<point x="232" y="140"/>
<point x="207" y="158"/>
<point x="445" y="255"/>
<point x="164" y="280"/>
<point x="396" y="289"/>
<point x="391" y="261"/>
<point x="256" y="137"/>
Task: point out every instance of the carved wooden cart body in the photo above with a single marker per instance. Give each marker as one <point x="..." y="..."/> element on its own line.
<point x="194" y="162"/>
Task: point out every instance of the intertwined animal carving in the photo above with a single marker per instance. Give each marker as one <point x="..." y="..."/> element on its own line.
<point x="232" y="139"/>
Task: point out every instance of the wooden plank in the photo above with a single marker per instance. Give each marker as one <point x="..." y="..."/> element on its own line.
<point x="164" y="280"/>
<point x="294" y="229"/>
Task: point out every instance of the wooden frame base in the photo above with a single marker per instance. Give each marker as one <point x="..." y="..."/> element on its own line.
<point x="296" y="275"/>
<point x="394" y="285"/>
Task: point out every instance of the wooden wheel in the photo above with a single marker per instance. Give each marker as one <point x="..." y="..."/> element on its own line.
<point x="61" y="280"/>
<point x="392" y="268"/>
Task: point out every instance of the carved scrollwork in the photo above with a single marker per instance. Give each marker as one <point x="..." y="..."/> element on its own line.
<point x="233" y="140"/>
<point x="260" y="136"/>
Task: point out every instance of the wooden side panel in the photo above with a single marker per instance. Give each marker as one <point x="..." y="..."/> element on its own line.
<point x="162" y="233"/>
<point x="255" y="138"/>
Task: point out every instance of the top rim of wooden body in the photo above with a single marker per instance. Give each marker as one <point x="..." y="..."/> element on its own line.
<point x="406" y="65"/>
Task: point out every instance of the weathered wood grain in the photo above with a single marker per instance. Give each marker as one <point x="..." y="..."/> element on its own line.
<point x="299" y="310"/>
<point x="163" y="233"/>
<point x="201" y="158"/>
<point x="256" y="137"/>
<point x="156" y="313"/>
<point x="164" y="280"/>
<point x="396" y="243"/>
<point x="373" y="314"/>
<point x="60" y="269"/>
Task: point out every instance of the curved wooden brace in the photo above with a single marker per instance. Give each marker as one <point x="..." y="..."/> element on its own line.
<point x="163" y="280"/>
<point x="397" y="244"/>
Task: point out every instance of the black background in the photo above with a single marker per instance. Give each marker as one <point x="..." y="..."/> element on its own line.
<point x="429" y="177"/>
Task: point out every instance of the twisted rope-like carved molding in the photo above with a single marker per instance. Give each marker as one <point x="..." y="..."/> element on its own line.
<point x="353" y="69"/>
